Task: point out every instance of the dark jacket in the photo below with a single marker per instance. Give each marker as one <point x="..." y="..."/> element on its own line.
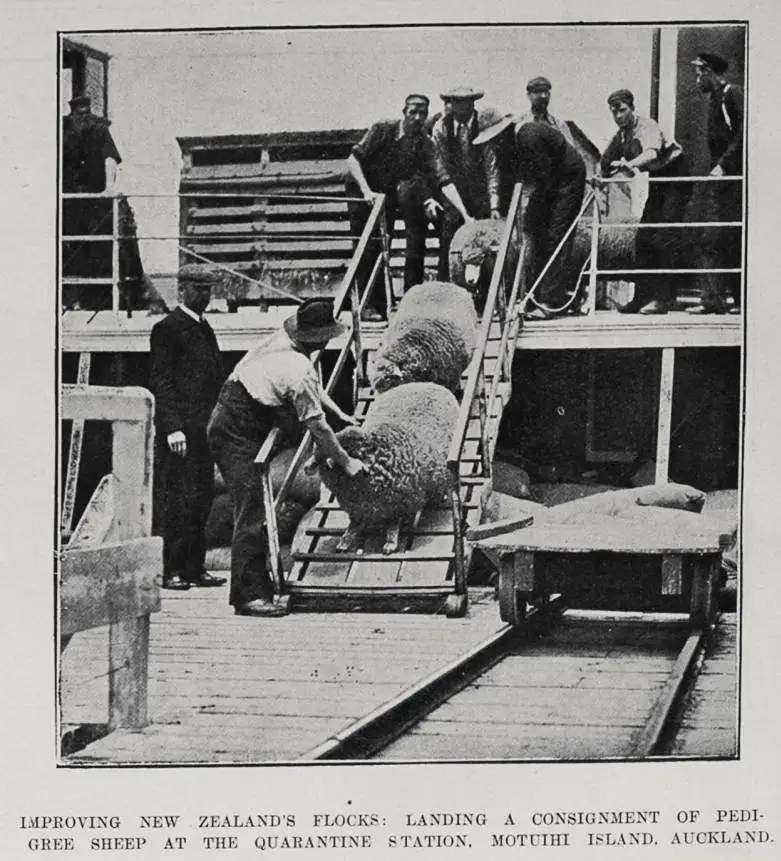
<point x="725" y="129"/>
<point x="84" y="155"/>
<point x="186" y="373"/>
<point x="474" y="173"/>
<point x="389" y="157"/>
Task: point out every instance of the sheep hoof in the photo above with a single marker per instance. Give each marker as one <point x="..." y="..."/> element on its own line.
<point x="348" y="541"/>
<point x="455" y="606"/>
<point x="391" y="539"/>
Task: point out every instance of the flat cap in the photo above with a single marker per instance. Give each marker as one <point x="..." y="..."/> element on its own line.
<point x="198" y="273"/>
<point x="538" y="83"/>
<point x="80" y="102"/>
<point x="464" y="93"/>
<point x="490" y="123"/>
<point x="713" y="61"/>
<point x="412" y="98"/>
<point x="622" y="95"/>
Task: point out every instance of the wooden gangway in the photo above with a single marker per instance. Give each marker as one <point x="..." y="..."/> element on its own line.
<point x="429" y="572"/>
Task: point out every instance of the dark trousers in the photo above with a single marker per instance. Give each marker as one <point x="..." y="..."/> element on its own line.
<point x="187" y="495"/>
<point x="721" y="247"/>
<point x="236" y="431"/>
<point x="663" y="247"/>
<point x="450" y="220"/>
<point x="408" y="203"/>
<point x="550" y="227"/>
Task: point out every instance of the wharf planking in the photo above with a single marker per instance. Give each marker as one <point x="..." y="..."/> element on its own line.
<point x="708" y="723"/>
<point x="584" y="691"/>
<point x="418" y="578"/>
<point x="224" y="688"/>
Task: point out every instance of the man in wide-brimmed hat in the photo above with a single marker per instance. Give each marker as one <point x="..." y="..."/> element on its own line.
<point x="467" y="175"/>
<point x="538" y="91"/>
<point x="722" y="246"/>
<point x="274" y="384"/>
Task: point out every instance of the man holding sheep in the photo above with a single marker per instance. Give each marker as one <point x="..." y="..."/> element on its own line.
<point x="275" y="383"/>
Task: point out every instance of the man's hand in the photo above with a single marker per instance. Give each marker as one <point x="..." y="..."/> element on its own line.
<point x="432" y="208"/>
<point x="177" y="442"/>
<point x="495" y="215"/>
<point x="369" y="196"/>
<point x="349" y="420"/>
<point x="353" y="467"/>
<point x="718" y="170"/>
<point x="621" y="166"/>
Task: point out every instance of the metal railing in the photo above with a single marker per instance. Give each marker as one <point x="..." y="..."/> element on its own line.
<point x="349" y="291"/>
<point x="498" y="300"/>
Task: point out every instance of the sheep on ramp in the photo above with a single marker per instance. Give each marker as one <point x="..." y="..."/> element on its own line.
<point x="430" y="339"/>
<point x="403" y="444"/>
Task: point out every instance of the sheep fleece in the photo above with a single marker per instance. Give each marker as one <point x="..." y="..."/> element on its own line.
<point x="431" y="338"/>
<point x="403" y="444"/>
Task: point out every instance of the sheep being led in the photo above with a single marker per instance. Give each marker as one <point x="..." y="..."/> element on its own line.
<point x="430" y="339"/>
<point x="403" y="444"/>
<point x="473" y="254"/>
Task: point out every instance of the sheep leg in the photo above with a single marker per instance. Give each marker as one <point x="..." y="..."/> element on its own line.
<point x="392" y="538"/>
<point x="350" y="540"/>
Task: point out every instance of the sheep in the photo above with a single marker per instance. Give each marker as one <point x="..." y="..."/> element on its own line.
<point x="614" y="503"/>
<point x="403" y="444"/>
<point x="430" y="339"/>
<point x="473" y="254"/>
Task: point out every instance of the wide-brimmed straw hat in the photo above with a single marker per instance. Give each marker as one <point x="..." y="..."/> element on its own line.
<point x="490" y="123"/>
<point x="314" y="322"/>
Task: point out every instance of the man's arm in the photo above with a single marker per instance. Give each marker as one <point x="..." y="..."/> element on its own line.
<point x="111" y="175"/>
<point x="733" y="105"/>
<point x="329" y="445"/>
<point x="162" y="381"/>
<point x="327" y="401"/>
<point x="356" y="171"/>
<point x="493" y="177"/>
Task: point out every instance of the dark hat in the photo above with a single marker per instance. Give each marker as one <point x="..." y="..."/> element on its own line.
<point x="539" y="83"/>
<point x="490" y="123"/>
<point x="621" y="96"/>
<point x="197" y="273"/>
<point x="467" y="94"/>
<point x="314" y="322"/>
<point x="416" y="97"/>
<point x="80" y="102"/>
<point x="713" y="61"/>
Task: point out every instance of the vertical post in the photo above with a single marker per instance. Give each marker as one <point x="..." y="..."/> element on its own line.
<point x="385" y="241"/>
<point x="665" y="415"/>
<point x="272" y="533"/>
<point x="592" y="274"/>
<point x="655" y="58"/>
<point x="458" y="528"/>
<point x="482" y="412"/>
<point x="129" y="638"/>
<point x="115" y="253"/>
<point x="355" y="305"/>
<point x="74" y="453"/>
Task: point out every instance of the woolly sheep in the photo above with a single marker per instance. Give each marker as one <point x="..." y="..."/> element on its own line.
<point x="430" y="339"/>
<point x="403" y="444"/>
<point x="473" y="254"/>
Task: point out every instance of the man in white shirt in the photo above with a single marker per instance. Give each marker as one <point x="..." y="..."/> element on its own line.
<point x="275" y="383"/>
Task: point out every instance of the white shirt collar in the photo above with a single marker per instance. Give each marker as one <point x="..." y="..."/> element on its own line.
<point x="191" y="313"/>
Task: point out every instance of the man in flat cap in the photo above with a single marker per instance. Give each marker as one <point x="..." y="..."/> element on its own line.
<point x="538" y="92"/>
<point x="641" y="145"/>
<point x="467" y="175"/>
<point x="395" y="158"/>
<point x="274" y="384"/>
<point x="722" y="246"/>
<point x="185" y="378"/>
<point x="89" y="165"/>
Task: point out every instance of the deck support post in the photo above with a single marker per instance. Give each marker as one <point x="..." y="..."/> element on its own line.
<point x="665" y="416"/>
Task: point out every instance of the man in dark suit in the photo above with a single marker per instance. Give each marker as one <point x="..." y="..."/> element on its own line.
<point x="186" y="377"/>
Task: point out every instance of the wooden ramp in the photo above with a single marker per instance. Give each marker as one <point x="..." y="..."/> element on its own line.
<point x="421" y="577"/>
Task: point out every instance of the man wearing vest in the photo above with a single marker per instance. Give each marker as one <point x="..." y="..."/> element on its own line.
<point x="722" y="246"/>
<point x="467" y="174"/>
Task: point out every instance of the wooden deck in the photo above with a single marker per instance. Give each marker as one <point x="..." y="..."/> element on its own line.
<point x="709" y="721"/>
<point x="228" y="689"/>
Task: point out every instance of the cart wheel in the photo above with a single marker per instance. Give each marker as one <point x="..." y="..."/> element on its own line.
<point x="512" y="602"/>
<point x="455" y="606"/>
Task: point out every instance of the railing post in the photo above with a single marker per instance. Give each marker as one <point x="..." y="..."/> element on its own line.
<point x="274" y="552"/>
<point x="592" y="275"/>
<point x="458" y="528"/>
<point x="385" y="252"/>
<point x="115" y="255"/>
<point x="483" y="416"/>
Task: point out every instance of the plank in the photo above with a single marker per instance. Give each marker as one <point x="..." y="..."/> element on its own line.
<point x="105" y="584"/>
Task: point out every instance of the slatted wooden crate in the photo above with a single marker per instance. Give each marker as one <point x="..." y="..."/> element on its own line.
<point x="299" y="243"/>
